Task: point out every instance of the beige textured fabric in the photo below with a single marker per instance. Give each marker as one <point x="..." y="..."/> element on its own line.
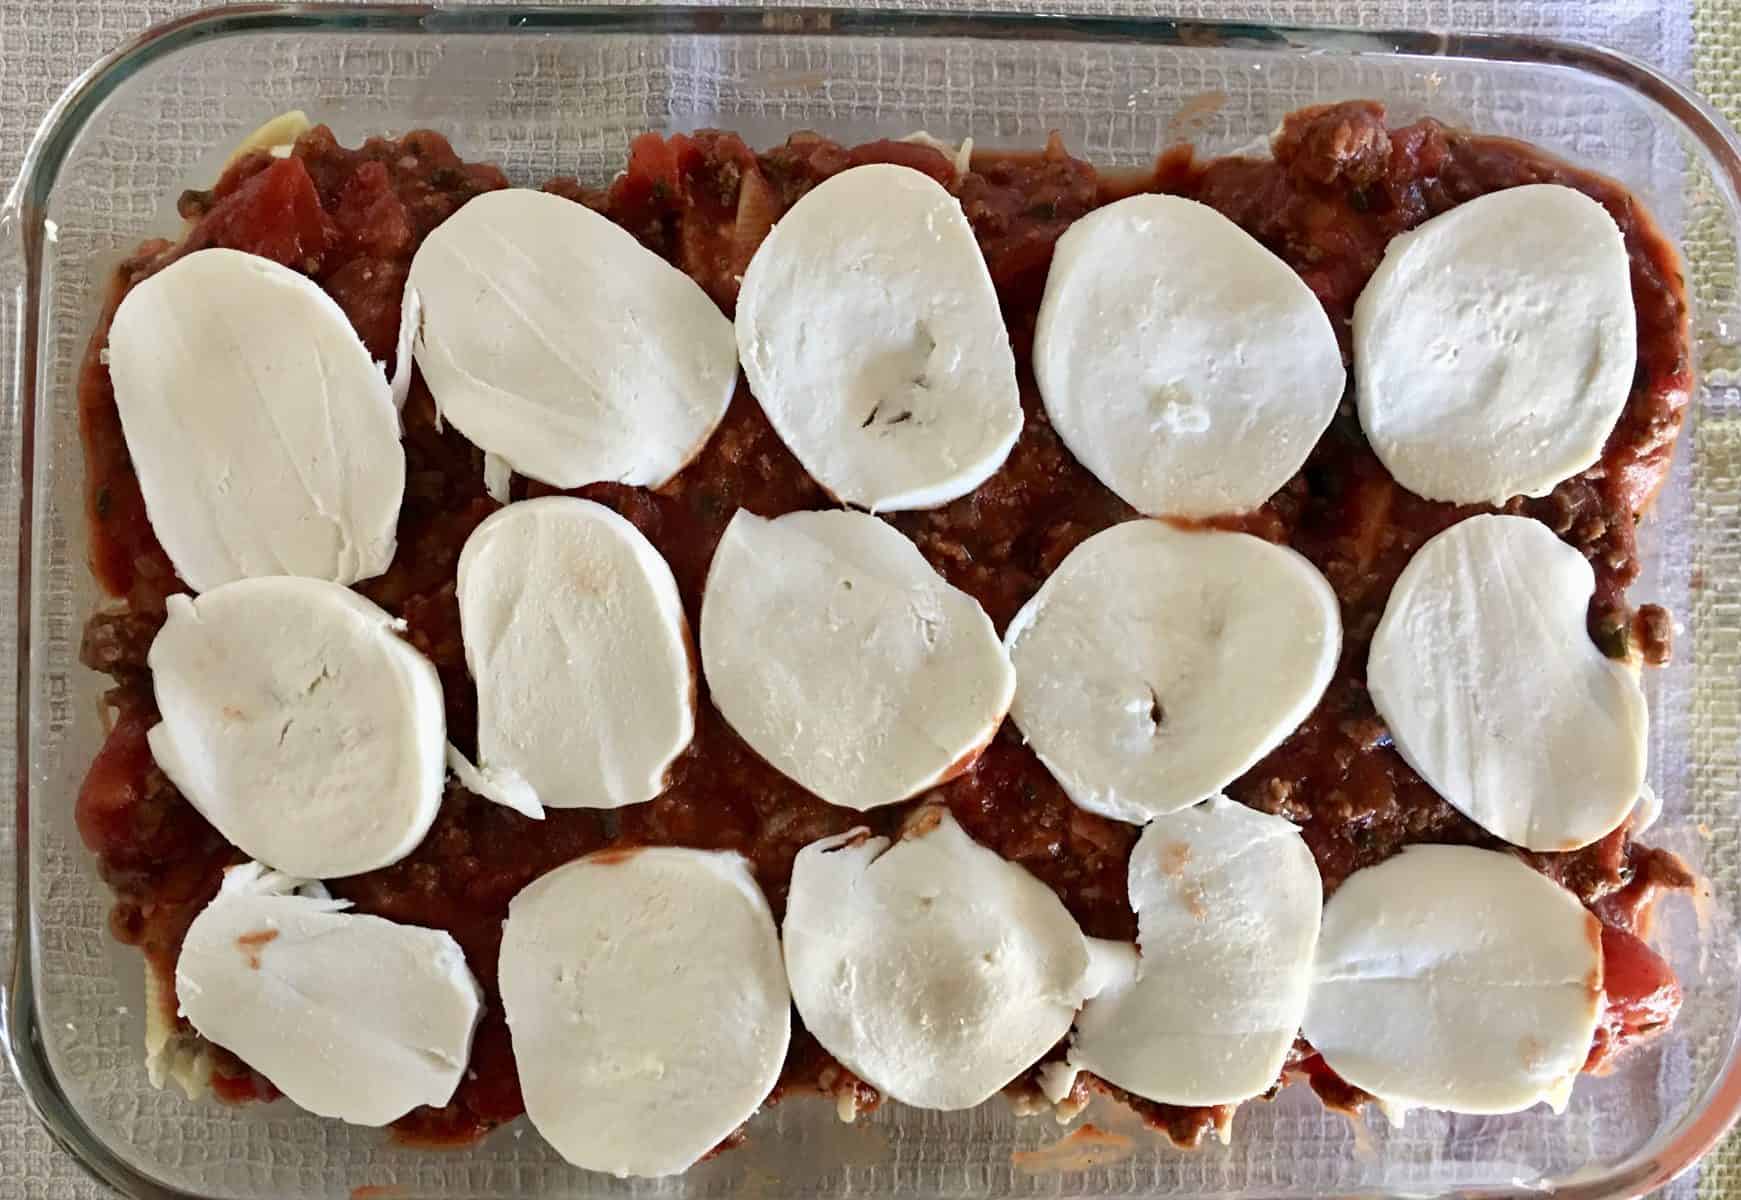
<point x="1717" y="699"/>
<point x="45" y="43"/>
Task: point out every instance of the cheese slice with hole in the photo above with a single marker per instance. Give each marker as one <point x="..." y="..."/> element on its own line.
<point x="576" y="637"/>
<point x="933" y="969"/>
<point x="554" y="340"/>
<point x="870" y="333"/>
<point x="1157" y="665"/>
<point x="1227" y="902"/>
<point x="1455" y="978"/>
<point x="299" y="724"/>
<point x="1484" y="670"/>
<point x="348" y="1015"/>
<point x="647" y="1004"/>
<point x="840" y="656"/>
<point x="1495" y="345"/>
<point x="264" y="437"/>
<point x="1183" y="363"/>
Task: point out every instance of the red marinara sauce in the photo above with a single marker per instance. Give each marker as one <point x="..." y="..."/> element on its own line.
<point x="1339" y="187"/>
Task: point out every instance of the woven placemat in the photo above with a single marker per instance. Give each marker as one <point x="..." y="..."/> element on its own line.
<point x="45" y="43"/>
<point x="1717" y="75"/>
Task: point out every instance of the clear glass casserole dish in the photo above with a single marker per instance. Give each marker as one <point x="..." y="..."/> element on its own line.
<point x="545" y="92"/>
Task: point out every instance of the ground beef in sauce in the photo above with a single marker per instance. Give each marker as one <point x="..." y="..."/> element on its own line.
<point x="1340" y="186"/>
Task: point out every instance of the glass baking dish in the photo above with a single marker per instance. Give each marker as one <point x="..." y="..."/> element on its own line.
<point x="543" y="92"/>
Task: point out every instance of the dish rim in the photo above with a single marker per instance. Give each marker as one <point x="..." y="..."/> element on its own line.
<point x="25" y="231"/>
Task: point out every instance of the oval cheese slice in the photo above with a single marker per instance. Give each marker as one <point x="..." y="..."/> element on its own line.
<point x="553" y="339"/>
<point x="1456" y="978"/>
<point x="647" y="1005"/>
<point x="933" y="969"/>
<point x="348" y="1015"/>
<point x="1184" y="364"/>
<point x="1227" y="902"/>
<point x="834" y="650"/>
<point x="870" y="333"/>
<point x="576" y="636"/>
<point x="1484" y="670"/>
<point x="1157" y="665"/>
<point x="1495" y="345"/>
<point x="264" y="437"/>
<point x="300" y="724"/>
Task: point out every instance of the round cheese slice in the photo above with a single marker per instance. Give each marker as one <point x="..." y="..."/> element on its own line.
<point x="647" y="1005"/>
<point x="1495" y="345"/>
<point x="933" y="969"/>
<point x="1157" y="665"/>
<point x="1185" y="365"/>
<point x="576" y="636"/>
<point x="554" y="340"/>
<point x="1227" y="902"/>
<point x="264" y="437"/>
<point x="1484" y="670"/>
<point x="834" y="650"/>
<point x="869" y="331"/>
<point x="1455" y="978"/>
<point x="299" y="724"/>
<point x="348" y="1015"/>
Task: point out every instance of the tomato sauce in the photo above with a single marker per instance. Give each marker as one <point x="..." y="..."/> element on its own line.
<point x="1340" y="186"/>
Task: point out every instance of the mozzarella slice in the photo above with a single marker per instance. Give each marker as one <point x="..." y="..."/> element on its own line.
<point x="552" y="338"/>
<point x="647" y="1004"/>
<point x="834" y="650"/>
<point x="870" y="333"/>
<point x="1456" y="978"/>
<point x="350" y="1016"/>
<point x="1495" y="345"/>
<point x="1183" y="363"/>
<point x="1494" y="692"/>
<point x="299" y="724"/>
<point x="576" y="636"/>
<point x="1227" y="902"/>
<point x="1157" y="665"/>
<point x="933" y="969"/>
<point x="264" y="437"/>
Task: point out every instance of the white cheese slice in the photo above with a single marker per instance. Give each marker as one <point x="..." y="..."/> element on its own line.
<point x="299" y="724"/>
<point x="647" y="1004"/>
<point x="1157" y="665"/>
<point x="553" y="339"/>
<point x="1495" y="345"/>
<point x="1183" y="363"/>
<point x="1484" y="670"/>
<point x="933" y="969"/>
<point x="834" y="650"/>
<point x="350" y="1016"/>
<point x="576" y="637"/>
<point x="870" y="333"/>
<point x="1455" y="978"/>
<point x="1227" y="902"/>
<point x="264" y="437"/>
